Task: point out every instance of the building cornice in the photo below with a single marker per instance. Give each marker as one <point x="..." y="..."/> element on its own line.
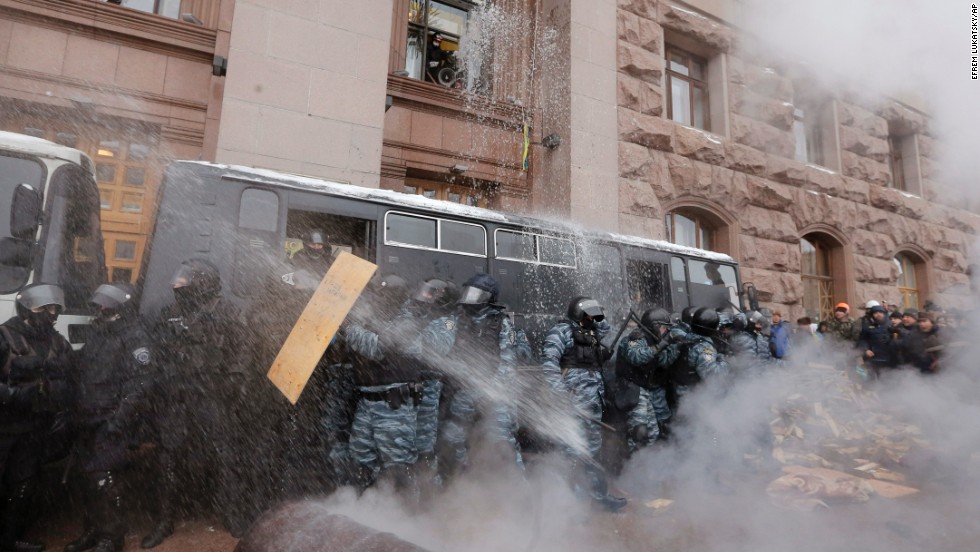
<point x="440" y="100"/>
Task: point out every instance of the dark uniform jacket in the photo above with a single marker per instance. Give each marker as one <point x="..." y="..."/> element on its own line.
<point x="113" y="379"/>
<point x="33" y="376"/>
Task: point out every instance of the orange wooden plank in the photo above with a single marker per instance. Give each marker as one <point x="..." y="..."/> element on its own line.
<point x="321" y="319"/>
<point x="882" y="488"/>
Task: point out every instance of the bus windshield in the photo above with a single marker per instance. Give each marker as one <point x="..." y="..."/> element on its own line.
<point x="15" y="171"/>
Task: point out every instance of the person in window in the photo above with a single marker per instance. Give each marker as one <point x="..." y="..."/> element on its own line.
<point x="713" y="275"/>
<point x="316" y="256"/>
<point x="203" y="412"/>
<point x="573" y="357"/>
<point x="34" y="387"/>
<point x="113" y="380"/>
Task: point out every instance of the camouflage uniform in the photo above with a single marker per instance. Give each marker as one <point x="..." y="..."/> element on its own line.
<point x="649" y="363"/>
<point x="488" y="341"/>
<point x="575" y="366"/>
<point x="703" y="361"/>
<point x="435" y="342"/>
<point x="844" y="329"/>
<point x="384" y="428"/>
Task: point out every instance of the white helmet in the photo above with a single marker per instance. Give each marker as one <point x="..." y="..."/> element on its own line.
<point x="871" y="303"/>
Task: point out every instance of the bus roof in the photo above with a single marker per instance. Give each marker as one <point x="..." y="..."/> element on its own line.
<point x="22" y="143"/>
<point x="397" y="199"/>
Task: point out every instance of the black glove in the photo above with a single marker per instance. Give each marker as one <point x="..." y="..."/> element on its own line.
<point x="26" y="368"/>
<point x="57" y="367"/>
<point x="20" y="396"/>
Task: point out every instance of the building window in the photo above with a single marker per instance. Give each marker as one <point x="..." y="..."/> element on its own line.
<point x="808" y="133"/>
<point x="687" y="89"/>
<point x="903" y="163"/>
<point x="818" y="280"/>
<point x="434" y="32"/>
<point x="690" y="230"/>
<point x="896" y="162"/>
<point x="166" y="8"/>
<point x="464" y="195"/>
<point x="907" y="280"/>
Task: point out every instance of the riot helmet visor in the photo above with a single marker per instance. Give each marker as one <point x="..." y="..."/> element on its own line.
<point x="474" y="296"/>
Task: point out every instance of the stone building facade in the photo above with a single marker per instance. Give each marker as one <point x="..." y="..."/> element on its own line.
<point x="645" y="117"/>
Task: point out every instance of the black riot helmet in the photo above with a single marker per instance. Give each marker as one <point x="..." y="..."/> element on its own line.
<point x="36" y="296"/>
<point x="653" y="318"/>
<point x="740" y="322"/>
<point x="687" y="315"/>
<point x="705" y="321"/>
<point x="196" y="282"/>
<point x="114" y="301"/>
<point x="438" y="294"/>
<point x="480" y="289"/>
<point x="390" y="292"/>
<point x="199" y="274"/>
<point x="581" y="306"/>
<point x="725" y="318"/>
<point x="316" y="237"/>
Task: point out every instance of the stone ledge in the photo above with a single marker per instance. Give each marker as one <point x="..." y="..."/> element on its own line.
<point x="697" y="26"/>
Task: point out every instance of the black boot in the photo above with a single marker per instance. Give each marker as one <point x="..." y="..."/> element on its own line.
<point x="600" y="491"/>
<point x="159" y="534"/>
<point x="87" y="541"/>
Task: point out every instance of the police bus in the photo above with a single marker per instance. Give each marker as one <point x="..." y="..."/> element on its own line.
<point x="245" y="220"/>
<point x="49" y="225"/>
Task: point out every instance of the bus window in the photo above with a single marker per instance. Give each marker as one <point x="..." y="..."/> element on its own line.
<point x="713" y="284"/>
<point x="259" y="210"/>
<point x="678" y="283"/>
<point x="556" y="251"/>
<point x="462" y="238"/>
<point x="601" y="270"/>
<point x="403" y="229"/>
<point x="15" y="171"/>
<point x="518" y="246"/>
<point x="648" y="284"/>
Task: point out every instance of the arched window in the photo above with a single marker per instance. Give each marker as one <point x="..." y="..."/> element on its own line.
<point x="691" y="230"/>
<point x="908" y="281"/>
<point x="818" y="280"/>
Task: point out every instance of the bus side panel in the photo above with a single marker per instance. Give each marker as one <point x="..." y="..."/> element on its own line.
<point x="418" y="265"/>
<point x="196" y="219"/>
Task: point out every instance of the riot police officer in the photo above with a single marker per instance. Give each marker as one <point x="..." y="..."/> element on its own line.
<point x="699" y="358"/>
<point x="112" y="386"/>
<point x="316" y="256"/>
<point x="641" y="363"/>
<point x="202" y="413"/>
<point x="572" y="361"/>
<point x="435" y="299"/>
<point x="34" y="361"/>
<point x="485" y="345"/>
<point x="382" y="435"/>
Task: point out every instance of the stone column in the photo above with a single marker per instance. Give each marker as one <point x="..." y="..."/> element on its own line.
<point x="305" y="90"/>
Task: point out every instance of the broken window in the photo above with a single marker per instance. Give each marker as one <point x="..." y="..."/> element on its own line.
<point x="434" y="32"/>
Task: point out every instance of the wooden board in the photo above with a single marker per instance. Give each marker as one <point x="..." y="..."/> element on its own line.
<point x="882" y="488"/>
<point x="321" y="319"/>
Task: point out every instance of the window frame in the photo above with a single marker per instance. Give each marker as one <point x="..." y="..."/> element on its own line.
<point x="908" y="266"/>
<point x="896" y="164"/>
<point x="691" y="60"/>
<point x="424" y="28"/>
<point x="438" y="246"/>
<point x="699" y="228"/>
<point x="825" y="282"/>
<point x="537" y="248"/>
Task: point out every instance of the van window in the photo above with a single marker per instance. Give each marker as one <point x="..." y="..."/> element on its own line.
<point x="259" y="210"/>
<point x="14" y="171"/>
<point x="713" y="284"/>
<point x="515" y="245"/>
<point x="462" y="238"/>
<point x="677" y="273"/>
<point x="408" y="230"/>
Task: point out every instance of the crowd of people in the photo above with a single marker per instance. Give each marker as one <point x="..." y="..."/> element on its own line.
<point x="885" y="336"/>
<point x="398" y="395"/>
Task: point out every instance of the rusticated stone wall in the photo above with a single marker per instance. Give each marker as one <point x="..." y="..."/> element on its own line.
<point x="745" y="177"/>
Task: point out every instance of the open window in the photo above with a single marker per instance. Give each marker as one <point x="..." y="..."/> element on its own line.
<point x="435" y="28"/>
<point x="712" y="284"/>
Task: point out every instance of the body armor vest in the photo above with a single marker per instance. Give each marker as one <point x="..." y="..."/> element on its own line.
<point x="585" y="352"/>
